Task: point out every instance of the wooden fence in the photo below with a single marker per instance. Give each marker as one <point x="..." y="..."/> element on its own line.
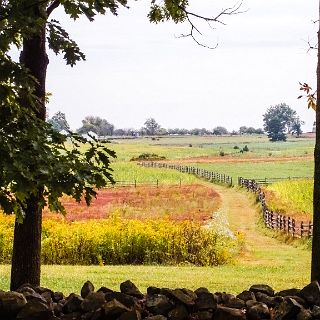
<point x="276" y="221"/>
<point x="266" y="181"/>
<point x="135" y="183"/>
<point x="201" y="173"/>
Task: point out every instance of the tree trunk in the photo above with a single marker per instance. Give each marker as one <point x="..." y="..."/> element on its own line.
<point x="27" y="236"/>
<point x="26" y="258"/>
<point x="315" y="261"/>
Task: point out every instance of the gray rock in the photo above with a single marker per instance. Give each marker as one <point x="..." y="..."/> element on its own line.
<point x="235" y="303"/>
<point x="153" y="290"/>
<point x="251" y="303"/>
<point x="114" y="309"/>
<point x="11" y="303"/>
<point x="287" y="310"/>
<point x="73" y="303"/>
<point x="105" y="290"/>
<point x="264" y="288"/>
<point x="157" y="317"/>
<point x="87" y="288"/>
<point x="264" y="298"/>
<point x="128" y="301"/>
<point x="131" y="289"/>
<point x="225" y="313"/>
<point x="304" y="315"/>
<point x="180" y="312"/>
<point x="130" y="315"/>
<point x="246" y="295"/>
<point x="201" y="290"/>
<point x="205" y="301"/>
<point x="57" y="308"/>
<point x="258" y="311"/>
<point x="179" y="296"/>
<point x="35" y="310"/>
<point x="311" y="293"/>
<point x="57" y="296"/>
<point x="225" y="297"/>
<point x="93" y="301"/>
<point x="202" y="315"/>
<point x="288" y="292"/>
<point x="190" y="293"/>
<point x="158" y="304"/>
<point x="71" y="316"/>
<point x="316" y="312"/>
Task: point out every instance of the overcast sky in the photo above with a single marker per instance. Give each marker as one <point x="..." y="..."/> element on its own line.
<point x="136" y="70"/>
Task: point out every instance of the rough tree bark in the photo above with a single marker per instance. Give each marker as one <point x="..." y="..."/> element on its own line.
<point x="26" y="258"/>
<point x="315" y="261"/>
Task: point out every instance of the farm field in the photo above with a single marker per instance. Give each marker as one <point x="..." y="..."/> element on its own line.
<point x="261" y="259"/>
<point x="293" y="198"/>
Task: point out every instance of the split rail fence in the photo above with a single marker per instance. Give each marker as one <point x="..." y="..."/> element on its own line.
<point x="201" y="173"/>
<point x="276" y="221"/>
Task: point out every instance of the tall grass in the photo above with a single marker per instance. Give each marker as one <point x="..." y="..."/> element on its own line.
<point x="291" y="197"/>
<point x="118" y="241"/>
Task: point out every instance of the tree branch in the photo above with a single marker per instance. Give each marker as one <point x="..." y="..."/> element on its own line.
<point x="224" y="12"/>
<point x="55" y="4"/>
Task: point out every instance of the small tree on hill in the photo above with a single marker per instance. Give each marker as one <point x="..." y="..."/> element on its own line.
<point x="278" y="120"/>
<point x="101" y="127"/>
<point x="151" y="126"/>
<point x="59" y="122"/>
<point x="219" y="131"/>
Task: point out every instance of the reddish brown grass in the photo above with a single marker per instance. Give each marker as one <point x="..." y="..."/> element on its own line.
<point x="188" y="202"/>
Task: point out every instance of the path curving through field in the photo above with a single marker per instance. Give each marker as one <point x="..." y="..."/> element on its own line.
<point x="242" y="212"/>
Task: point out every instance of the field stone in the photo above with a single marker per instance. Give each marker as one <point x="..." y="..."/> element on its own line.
<point x="130" y="315"/>
<point x="125" y="299"/>
<point x="57" y="296"/>
<point x="304" y="315"/>
<point x="179" y="296"/>
<point x="156" y="317"/>
<point x="205" y="301"/>
<point x="113" y="309"/>
<point x="263" y="288"/>
<point x="288" y="292"/>
<point x="93" y="301"/>
<point x="316" y="312"/>
<point x="202" y="315"/>
<point x="73" y="303"/>
<point x="235" y="303"/>
<point x="225" y="297"/>
<point x="158" y="304"/>
<point x="11" y="302"/>
<point x="178" y="313"/>
<point x="225" y="313"/>
<point x="190" y="293"/>
<point x="311" y="293"/>
<point x="246" y="295"/>
<point x="259" y="311"/>
<point x="35" y="310"/>
<point x="71" y="316"/>
<point x="87" y="288"/>
<point x="153" y="290"/>
<point x="104" y="290"/>
<point x="201" y="290"/>
<point x="287" y="310"/>
<point x="131" y="289"/>
<point x="268" y="300"/>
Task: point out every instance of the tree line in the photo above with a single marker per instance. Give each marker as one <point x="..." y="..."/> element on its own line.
<point x="279" y="120"/>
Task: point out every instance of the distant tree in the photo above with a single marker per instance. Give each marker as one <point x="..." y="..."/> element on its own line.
<point x="59" y="122"/>
<point x="259" y="131"/>
<point x="119" y="132"/>
<point x="151" y="126"/>
<point x="278" y="120"/>
<point x="243" y="129"/>
<point x="99" y="126"/>
<point x="251" y="130"/>
<point x="195" y="131"/>
<point x="219" y="131"/>
<point x="296" y="126"/>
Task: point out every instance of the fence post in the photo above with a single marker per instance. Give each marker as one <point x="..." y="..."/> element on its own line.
<point x="135" y="183"/>
<point x="157" y="183"/>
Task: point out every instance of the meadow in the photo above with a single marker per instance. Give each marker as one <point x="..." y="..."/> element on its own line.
<point x="181" y="244"/>
<point x="293" y="198"/>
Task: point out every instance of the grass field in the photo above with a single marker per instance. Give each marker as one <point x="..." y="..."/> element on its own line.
<point x="293" y="198"/>
<point x="265" y="261"/>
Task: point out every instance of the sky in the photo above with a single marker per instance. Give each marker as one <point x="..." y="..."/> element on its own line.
<point x="135" y="70"/>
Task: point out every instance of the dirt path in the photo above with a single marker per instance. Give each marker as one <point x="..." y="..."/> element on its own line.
<point x="260" y="249"/>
